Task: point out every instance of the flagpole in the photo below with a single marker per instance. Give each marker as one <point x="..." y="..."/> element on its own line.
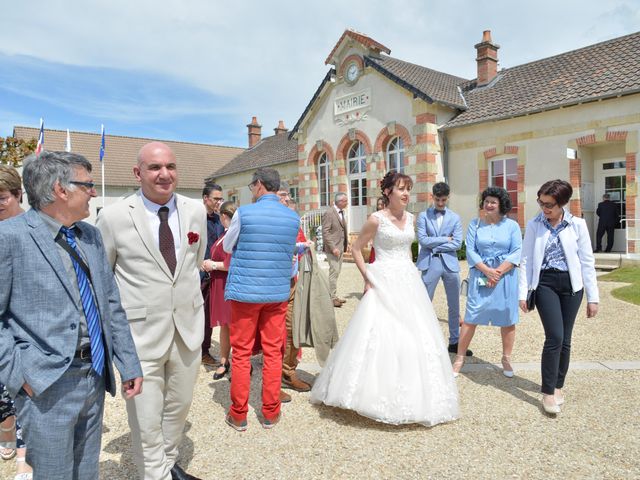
<point x="102" y="164"/>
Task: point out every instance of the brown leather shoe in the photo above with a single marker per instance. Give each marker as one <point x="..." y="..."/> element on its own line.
<point x="284" y="397"/>
<point x="209" y="361"/>
<point x="337" y="303"/>
<point x="294" y="383"/>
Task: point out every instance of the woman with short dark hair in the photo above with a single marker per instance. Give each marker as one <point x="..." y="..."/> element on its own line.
<point x="493" y="251"/>
<point x="558" y="265"/>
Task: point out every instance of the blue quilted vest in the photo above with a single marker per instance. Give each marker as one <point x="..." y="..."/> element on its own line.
<point x="260" y="270"/>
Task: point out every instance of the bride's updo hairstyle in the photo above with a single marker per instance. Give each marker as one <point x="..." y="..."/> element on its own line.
<point x="393" y="179"/>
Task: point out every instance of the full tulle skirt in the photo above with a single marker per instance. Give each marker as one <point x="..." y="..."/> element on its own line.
<point x="391" y="363"/>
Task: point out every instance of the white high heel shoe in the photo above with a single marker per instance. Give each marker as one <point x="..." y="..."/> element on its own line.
<point x="552" y="409"/>
<point x="458" y="363"/>
<point x="507" y="369"/>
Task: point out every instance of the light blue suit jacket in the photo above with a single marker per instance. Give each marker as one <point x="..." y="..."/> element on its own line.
<point x="38" y="316"/>
<point x="433" y="241"/>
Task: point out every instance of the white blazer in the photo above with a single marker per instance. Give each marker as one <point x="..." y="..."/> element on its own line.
<point x="576" y="244"/>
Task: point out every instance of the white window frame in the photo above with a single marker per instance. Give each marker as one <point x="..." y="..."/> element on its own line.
<point x="395" y="154"/>
<point x="514" y="204"/>
<point x="324" y="190"/>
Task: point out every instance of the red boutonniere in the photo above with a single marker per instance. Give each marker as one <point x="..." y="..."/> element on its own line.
<point x="193" y="237"/>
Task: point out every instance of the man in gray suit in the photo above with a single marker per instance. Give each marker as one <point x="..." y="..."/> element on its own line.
<point x="61" y="320"/>
<point x="440" y="237"/>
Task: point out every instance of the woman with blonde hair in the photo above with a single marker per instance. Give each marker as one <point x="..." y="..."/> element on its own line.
<point x="10" y="200"/>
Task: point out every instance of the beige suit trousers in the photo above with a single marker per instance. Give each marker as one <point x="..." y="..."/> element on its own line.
<point x="335" y="265"/>
<point x="157" y="416"/>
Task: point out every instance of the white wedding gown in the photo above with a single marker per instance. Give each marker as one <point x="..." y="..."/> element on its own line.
<point x="391" y="363"/>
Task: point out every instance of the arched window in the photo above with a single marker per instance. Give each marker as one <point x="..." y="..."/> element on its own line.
<point x="323" y="180"/>
<point x="357" y="174"/>
<point x="395" y="155"/>
<point x="504" y="173"/>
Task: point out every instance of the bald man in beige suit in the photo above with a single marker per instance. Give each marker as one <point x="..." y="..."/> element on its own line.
<point x="155" y="241"/>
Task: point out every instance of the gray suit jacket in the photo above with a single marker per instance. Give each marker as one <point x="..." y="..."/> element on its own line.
<point x="433" y="240"/>
<point x="38" y="316"/>
<point x="334" y="233"/>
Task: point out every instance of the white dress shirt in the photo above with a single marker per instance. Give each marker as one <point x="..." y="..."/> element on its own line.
<point x="154" y="221"/>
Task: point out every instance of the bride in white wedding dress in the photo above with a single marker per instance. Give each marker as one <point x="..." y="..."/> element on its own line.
<point x="391" y="363"/>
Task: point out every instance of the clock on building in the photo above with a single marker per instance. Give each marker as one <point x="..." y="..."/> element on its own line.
<point x="352" y="73"/>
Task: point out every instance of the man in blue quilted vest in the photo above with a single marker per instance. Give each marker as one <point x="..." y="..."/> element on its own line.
<point x="261" y="239"/>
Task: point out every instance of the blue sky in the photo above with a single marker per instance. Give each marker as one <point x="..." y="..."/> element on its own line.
<point x="198" y="70"/>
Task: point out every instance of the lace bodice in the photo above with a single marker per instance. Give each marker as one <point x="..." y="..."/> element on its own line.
<point x="391" y="243"/>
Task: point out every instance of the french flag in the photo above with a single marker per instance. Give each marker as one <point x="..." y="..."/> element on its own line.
<point x="40" y="145"/>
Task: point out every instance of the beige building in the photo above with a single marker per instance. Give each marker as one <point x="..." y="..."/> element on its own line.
<point x="195" y="161"/>
<point x="574" y="116"/>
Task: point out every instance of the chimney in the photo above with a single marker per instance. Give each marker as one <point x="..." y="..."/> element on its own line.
<point x="487" y="58"/>
<point x="280" y="129"/>
<point x="255" y="132"/>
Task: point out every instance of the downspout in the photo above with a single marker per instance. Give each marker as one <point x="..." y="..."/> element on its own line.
<point x="445" y="156"/>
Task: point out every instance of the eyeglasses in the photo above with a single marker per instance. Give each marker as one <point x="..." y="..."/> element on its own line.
<point x="252" y="185"/>
<point x="548" y="206"/>
<point x="89" y="185"/>
<point x="216" y="199"/>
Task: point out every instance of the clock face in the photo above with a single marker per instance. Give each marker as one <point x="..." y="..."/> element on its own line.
<point x="352" y="73"/>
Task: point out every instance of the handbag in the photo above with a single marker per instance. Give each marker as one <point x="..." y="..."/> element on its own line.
<point x="531" y="300"/>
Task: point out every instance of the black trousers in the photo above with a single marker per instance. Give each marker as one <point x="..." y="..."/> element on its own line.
<point x="206" y="343"/>
<point x="558" y="307"/>
<point x="600" y="233"/>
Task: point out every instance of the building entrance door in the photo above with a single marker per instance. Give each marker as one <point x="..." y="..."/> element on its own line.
<point x="613" y="180"/>
<point x="357" y="168"/>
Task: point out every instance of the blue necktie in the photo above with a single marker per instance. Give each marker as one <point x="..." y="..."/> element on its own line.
<point x="89" y="307"/>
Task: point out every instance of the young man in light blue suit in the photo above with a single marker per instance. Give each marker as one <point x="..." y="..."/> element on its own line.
<point x="440" y="237"/>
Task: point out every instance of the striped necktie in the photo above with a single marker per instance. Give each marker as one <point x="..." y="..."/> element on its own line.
<point x="88" y="305"/>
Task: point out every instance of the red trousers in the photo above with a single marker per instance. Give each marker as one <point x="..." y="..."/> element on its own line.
<point x="248" y="320"/>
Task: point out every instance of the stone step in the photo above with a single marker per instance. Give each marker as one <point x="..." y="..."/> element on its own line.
<point x="607" y="261"/>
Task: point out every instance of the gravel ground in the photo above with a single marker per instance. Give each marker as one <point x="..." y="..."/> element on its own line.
<point x="502" y="432"/>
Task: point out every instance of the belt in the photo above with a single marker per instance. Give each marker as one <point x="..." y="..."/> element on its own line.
<point x="84" y="354"/>
<point x="436" y="255"/>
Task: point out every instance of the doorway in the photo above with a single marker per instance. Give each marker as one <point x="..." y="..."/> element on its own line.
<point x="612" y="179"/>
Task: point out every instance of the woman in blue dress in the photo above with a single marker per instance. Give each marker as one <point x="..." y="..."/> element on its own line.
<point x="494" y="243"/>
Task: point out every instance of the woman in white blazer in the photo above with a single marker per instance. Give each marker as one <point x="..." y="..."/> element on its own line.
<point x="557" y="262"/>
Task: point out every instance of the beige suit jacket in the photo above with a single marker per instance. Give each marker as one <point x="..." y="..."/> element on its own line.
<point x="157" y="303"/>
<point x="334" y="233"/>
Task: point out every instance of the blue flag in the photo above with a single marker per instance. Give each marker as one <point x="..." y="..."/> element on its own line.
<point x="102" y="145"/>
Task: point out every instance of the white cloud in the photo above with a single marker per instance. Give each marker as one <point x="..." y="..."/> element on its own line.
<point x="268" y="57"/>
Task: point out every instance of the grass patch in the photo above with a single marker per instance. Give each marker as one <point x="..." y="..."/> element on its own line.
<point x="629" y="293"/>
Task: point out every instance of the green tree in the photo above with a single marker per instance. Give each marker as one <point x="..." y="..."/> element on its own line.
<point x="13" y="150"/>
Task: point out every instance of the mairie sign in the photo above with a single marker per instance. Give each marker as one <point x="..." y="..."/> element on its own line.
<point x="352" y="107"/>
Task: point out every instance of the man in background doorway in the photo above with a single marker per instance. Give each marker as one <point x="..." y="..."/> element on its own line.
<point x="608" y="219"/>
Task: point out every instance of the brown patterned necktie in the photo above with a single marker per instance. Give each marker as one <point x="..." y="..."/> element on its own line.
<point x="167" y="247"/>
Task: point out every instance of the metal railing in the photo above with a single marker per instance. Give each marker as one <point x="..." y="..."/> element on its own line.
<point x="632" y="232"/>
<point x="310" y="222"/>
